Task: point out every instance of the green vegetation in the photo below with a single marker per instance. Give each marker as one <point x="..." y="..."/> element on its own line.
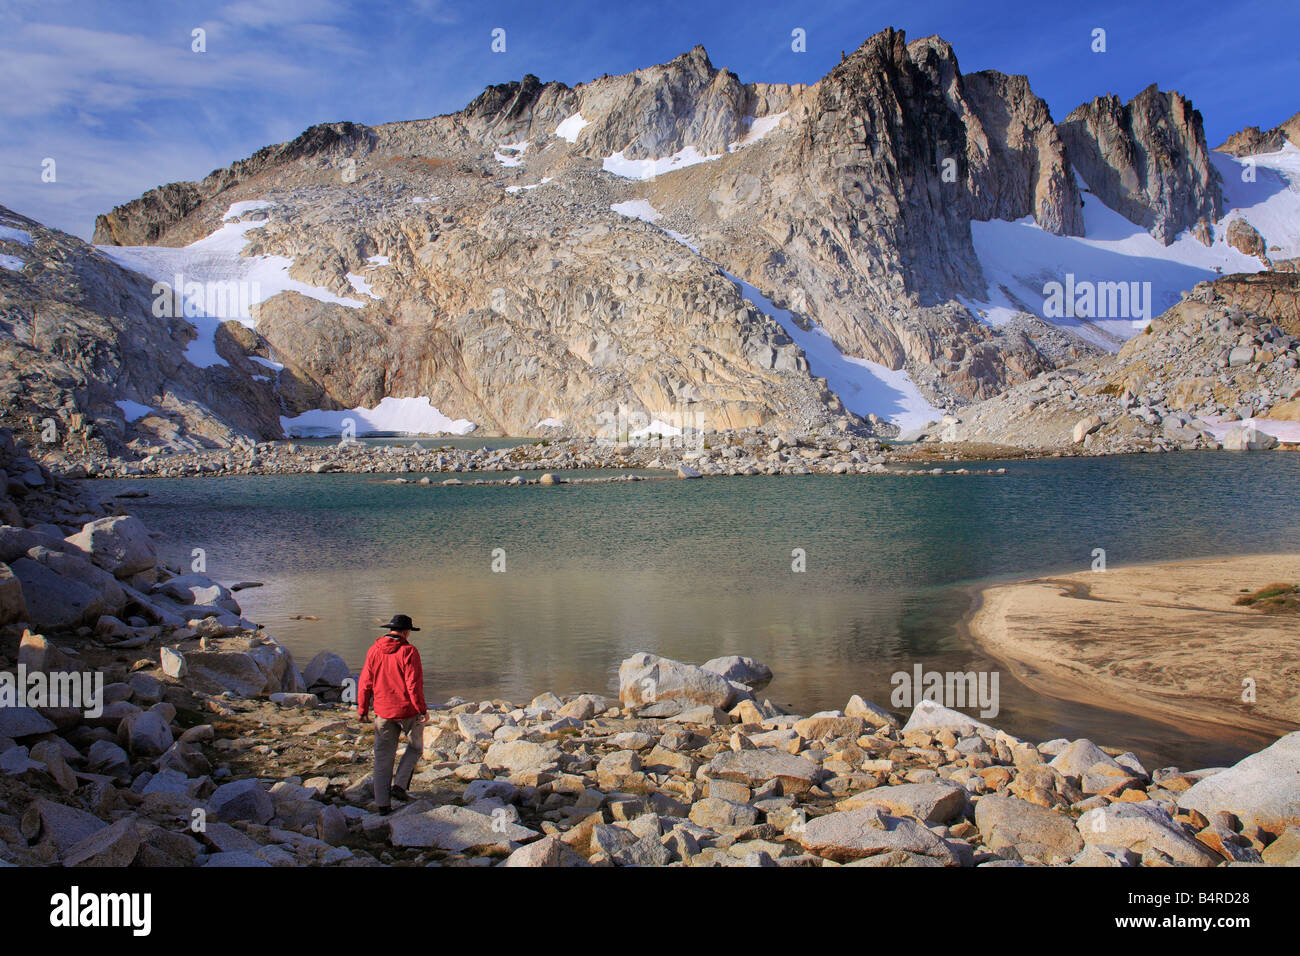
<point x="1276" y="598"/>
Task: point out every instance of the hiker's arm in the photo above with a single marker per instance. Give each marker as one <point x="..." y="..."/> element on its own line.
<point x="365" y="689"/>
<point x="415" y="685"/>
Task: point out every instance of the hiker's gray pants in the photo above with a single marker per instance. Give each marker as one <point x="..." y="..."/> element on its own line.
<point x="387" y="734"/>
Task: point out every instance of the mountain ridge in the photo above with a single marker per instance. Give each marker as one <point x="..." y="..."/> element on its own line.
<point x="557" y="253"/>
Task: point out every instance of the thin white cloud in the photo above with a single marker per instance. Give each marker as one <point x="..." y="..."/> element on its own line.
<point x="46" y="67"/>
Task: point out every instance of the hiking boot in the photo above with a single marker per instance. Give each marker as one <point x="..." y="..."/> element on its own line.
<point x="384" y="811"/>
<point x="399" y="794"/>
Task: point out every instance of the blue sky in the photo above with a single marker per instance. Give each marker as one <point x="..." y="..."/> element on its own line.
<point x="113" y="93"/>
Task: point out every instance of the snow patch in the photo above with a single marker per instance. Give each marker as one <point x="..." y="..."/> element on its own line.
<point x="656" y="427"/>
<point x="360" y="284"/>
<point x="20" y="236"/>
<point x="550" y="423"/>
<point x="865" y="387"/>
<point x="619" y="165"/>
<point x="273" y="366"/>
<point x="379" y="261"/>
<point x="571" y="127"/>
<point x="402" y="416"/>
<point x="650" y="168"/>
<point x="637" y="209"/>
<point x="757" y="128"/>
<point x="515" y="189"/>
<point x="133" y="411"/>
<point x="515" y="158"/>
<point x="1282" y="429"/>
<point x="12" y="263"/>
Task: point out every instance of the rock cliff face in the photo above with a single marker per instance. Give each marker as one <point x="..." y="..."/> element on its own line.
<point x="575" y="253"/>
<point x="1146" y="159"/>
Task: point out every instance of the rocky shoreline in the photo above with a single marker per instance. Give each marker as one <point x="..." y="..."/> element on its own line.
<point x="729" y="454"/>
<point x="213" y="748"/>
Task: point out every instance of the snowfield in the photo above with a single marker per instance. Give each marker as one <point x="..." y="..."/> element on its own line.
<point x="216" y="261"/>
<point x="1019" y="258"/>
<point x="12" y="263"/>
<point x="401" y="416"/>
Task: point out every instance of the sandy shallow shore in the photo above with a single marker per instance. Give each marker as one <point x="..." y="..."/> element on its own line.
<point x="1165" y="641"/>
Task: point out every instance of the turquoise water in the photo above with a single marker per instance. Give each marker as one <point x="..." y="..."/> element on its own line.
<point x="696" y="569"/>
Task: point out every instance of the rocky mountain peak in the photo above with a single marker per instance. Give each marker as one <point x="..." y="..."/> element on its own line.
<point x="1147" y="159"/>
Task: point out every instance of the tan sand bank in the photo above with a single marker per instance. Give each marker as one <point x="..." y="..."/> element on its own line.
<point x="1162" y="640"/>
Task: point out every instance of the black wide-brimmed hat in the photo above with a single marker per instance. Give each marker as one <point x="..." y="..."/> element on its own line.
<point x="401" y="622"/>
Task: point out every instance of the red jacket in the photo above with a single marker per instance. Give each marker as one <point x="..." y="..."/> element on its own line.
<point x="393" y="678"/>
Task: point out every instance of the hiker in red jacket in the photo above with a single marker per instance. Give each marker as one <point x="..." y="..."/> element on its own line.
<point x="393" y="678"/>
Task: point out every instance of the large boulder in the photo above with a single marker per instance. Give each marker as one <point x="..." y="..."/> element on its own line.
<point x="120" y="544"/>
<point x="1143" y="827"/>
<point x="1080" y="756"/>
<point x="1085" y="427"/>
<point x="276" y="662"/>
<point x="742" y="670"/>
<point x="241" y="800"/>
<point x="77" y="568"/>
<point x="871" y="712"/>
<point x="1034" y="832"/>
<point x="198" y="589"/>
<point x="522" y="756"/>
<point x="146" y="733"/>
<point x="16" y="542"/>
<point x="236" y="672"/>
<point x="548" y="851"/>
<point x="753" y="768"/>
<point x="1248" y="438"/>
<point x="853" y="834"/>
<point x="16" y="722"/>
<point x="457" y="829"/>
<point x="927" y="715"/>
<point x="1263" y="789"/>
<point x="327" y="669"/>
<point x="936" y="802"/>
<point x="63" y="826"/>
<point x="53" y="601"/>
<point x="646" y="679"/>
<point x="114" y="845"/>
